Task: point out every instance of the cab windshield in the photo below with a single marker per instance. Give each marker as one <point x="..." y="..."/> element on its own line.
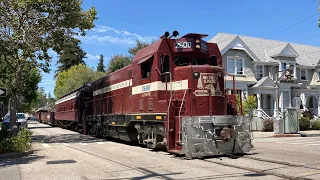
<point x="185" y="61"/>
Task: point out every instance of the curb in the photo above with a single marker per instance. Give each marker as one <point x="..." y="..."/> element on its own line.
<point x="287" y="135"/>
<point x="16" y="155"/>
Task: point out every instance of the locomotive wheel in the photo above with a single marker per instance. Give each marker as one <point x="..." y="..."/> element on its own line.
<point x="94" y="130"/>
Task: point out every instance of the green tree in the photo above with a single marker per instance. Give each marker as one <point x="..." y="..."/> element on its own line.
<point x="101" y="65"/>
<point x="117" y="62"/>
<point x="74" y="78"/>
<point x="71" y="54"/>
<point x="29" y="28"/>
<point x="51" y="101"/>
<point x="31" y="77"/>
<point x="139" y="45"/>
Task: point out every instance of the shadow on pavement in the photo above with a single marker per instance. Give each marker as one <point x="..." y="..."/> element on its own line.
<point x="41" y="127"/>
<point x="66" y="138"/>
<point x="21" y="160"/>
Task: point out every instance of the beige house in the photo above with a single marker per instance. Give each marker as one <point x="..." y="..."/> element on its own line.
<point x="257" y="64"/>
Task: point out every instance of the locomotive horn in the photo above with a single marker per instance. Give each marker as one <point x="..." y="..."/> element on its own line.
<point x="174" y="34"/>
<point x="166" y="34"/>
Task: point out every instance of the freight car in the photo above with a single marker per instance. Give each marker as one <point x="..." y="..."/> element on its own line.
<point x="45" y="115"/>
<point x="172" y="96"/>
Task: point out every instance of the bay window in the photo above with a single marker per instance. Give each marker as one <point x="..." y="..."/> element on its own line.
<point x="235" y="65"/>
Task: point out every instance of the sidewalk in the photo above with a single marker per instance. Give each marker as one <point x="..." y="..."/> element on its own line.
<point x="259" y="134"/>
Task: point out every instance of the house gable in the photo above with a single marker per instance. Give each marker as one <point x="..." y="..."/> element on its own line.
<point x="238" y="44"/>
<point x="264" y="82"/>
<point x="284" y="51"/>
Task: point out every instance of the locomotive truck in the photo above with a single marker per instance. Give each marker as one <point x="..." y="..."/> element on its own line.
<point x="171" y="96"/>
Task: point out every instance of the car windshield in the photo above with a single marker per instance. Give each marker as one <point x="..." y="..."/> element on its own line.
<point x="6" y="117"/>
<point x="21" y="116"/>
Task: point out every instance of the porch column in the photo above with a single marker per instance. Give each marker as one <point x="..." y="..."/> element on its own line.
<point x="259" y="104"/>
<point x="303" y="99"/>
<point x="274" y="105"/>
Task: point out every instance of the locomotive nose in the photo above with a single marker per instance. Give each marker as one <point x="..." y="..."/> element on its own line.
<point x="208" y="91"/>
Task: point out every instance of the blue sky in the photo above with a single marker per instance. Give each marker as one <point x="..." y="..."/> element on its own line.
<point x="121" y="22"/>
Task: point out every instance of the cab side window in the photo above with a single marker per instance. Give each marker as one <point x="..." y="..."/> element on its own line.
<point x="146" y="68"/>
<point x="213" y="61"/>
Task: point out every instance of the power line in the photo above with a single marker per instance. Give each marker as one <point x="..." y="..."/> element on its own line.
<point x="293" y="25"/>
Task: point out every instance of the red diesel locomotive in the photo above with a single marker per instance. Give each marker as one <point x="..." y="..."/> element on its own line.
<point x="172" y="96"/>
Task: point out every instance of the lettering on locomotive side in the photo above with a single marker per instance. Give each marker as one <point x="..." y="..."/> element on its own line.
<point x="146" y="88"/>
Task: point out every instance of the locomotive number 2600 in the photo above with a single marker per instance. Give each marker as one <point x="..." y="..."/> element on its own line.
<point x="183" y="44"/>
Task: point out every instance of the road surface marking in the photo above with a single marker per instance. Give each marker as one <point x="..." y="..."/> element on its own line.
<point x="311" y="145"/>
<point x="83" y="144"/>
<point x="45" y="145"/>
<point x="66" y="144"/>
<point x="100" y="142"/>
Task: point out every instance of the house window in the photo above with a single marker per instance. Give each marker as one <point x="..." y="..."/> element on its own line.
<point x="259" y="72"/>
<point x="303" y="74"/>
<point x="235" y="65"/>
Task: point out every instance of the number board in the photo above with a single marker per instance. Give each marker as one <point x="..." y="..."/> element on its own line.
<point x="182" y="45"/>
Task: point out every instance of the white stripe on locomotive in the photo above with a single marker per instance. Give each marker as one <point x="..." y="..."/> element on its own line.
<point x="149" y="87"/>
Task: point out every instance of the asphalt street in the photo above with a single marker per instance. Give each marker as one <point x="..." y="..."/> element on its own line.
<point x="63" y="154"/>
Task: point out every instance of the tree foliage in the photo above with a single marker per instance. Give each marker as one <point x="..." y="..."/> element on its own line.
<point x="117" y="62"/>
<point x="74" y="78"/>
<point x="71" y="54"/>
<point x="101" y="66"/>
<point x="31" y="76"/>
<point x="29" y="28"/>
<point x="139" y="45"/>
<point x="249" y="104"/>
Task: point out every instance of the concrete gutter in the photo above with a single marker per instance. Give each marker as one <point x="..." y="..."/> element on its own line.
<point x="258" y="134"/>
<point x="15" y="155"/>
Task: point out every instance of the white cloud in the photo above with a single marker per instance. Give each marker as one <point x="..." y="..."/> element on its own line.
<point x="92" y="57"/>
<point x="102" y="29"/>
<point x="105" y="34"/>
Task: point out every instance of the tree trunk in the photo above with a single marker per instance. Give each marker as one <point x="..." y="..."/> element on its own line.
<point x="13" y="111"/>
<point x="14" y="99"/>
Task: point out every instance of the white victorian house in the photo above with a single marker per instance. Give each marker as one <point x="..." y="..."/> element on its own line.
<point x="257" y="64"/>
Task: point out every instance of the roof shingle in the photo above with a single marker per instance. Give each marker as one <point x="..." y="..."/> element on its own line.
<point x="265" y="48"/>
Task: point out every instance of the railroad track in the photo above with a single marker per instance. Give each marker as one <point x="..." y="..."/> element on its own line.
<point x="274" y="164"/>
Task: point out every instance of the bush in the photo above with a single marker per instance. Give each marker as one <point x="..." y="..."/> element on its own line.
<point x="308" y="114"/>
<point x="18" y="141"/>
<point x="304" y="123"/>
<point x="315" y="125"/>
<point x="267" y="125"/>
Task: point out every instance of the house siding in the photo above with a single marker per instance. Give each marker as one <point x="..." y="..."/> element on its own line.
<point x="248" y="69"/>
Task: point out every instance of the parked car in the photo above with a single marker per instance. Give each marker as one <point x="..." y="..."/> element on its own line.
<point x="6" y="122"/>
<point x="21" y="121"/>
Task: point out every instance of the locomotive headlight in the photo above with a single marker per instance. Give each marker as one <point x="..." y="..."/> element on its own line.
<point x="196" y="75"/>
<point x="198" y="43"/>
